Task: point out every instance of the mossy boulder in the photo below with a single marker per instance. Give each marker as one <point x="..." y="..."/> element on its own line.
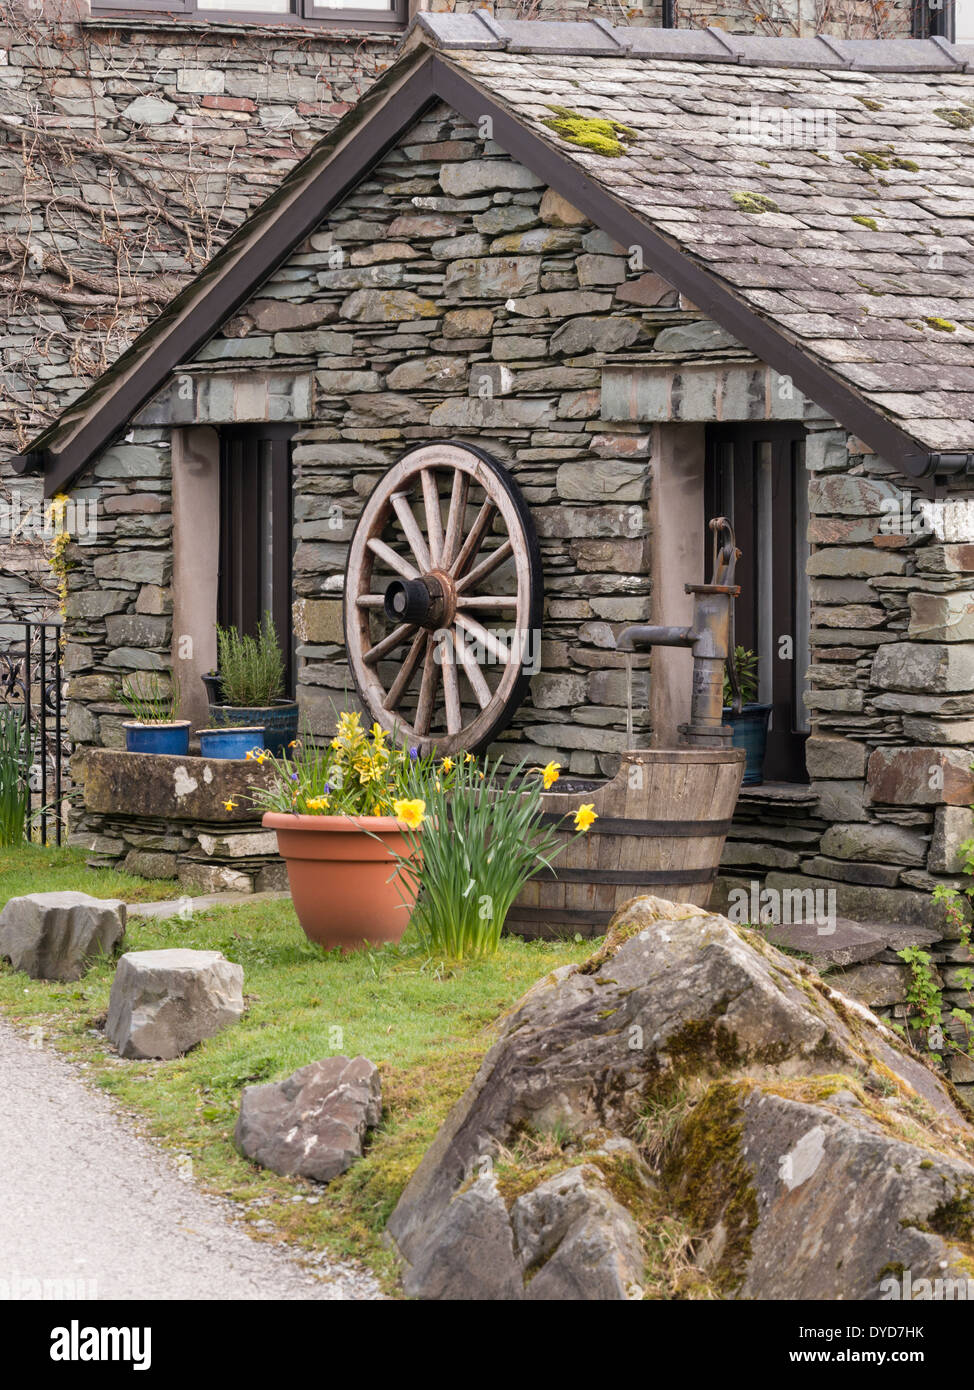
<point x="682" y="1033"/>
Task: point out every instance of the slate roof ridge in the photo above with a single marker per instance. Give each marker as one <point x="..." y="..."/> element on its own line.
<point x="596" y="37"/>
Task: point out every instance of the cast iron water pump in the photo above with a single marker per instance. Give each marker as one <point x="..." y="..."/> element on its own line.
<point x="710" y="637"/>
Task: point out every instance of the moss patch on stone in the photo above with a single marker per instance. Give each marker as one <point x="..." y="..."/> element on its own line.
<point x="941" y="325"/>
<point x="869" y="222"/>
<point x="960" y="117"/>
<point x="599" y="135"/>
<point x="710" y="1182"/>
<point x="754" y="202"/>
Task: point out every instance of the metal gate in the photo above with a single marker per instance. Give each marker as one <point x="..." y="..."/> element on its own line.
<point x="31" y="680"/>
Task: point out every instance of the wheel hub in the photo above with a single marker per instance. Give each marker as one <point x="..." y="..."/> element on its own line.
<point x="428" y="601"/>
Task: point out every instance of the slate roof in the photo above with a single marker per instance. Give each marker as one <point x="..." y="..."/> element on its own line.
<point x="888" y="304"/>
<point x="873" y="318"/>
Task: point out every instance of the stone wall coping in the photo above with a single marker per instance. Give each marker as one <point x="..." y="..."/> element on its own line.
<point x="194" y="23"/>
<point x="154" y="785"/>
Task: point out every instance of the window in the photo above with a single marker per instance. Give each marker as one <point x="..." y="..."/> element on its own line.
<point x="370" y="14"/>
<point x="948" y="19"/>
<point x="755" y="476"/>
<point x="256" y="533"/>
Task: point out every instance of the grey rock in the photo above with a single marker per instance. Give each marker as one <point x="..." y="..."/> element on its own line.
<point x="816" y="1201"/>
<point x="59" y="936"/>
<point x="694" y="337"/>
<point x="584" y="1243"/>
<point x="594" y="335"/>
<point x="313" y="1124"/>
<point x="875" y="844"/>
<point x="163" y="1003"/>
<point x="469" y="1253"/>
<point x="674" y="994"/>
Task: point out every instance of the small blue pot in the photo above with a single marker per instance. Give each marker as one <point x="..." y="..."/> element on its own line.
<point x="158" y="738"/>
<point x="750" y="733"/>
<point x="279" y="722"/>
<point x="230" y="743"/>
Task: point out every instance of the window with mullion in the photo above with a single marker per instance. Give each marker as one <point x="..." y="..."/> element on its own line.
<point x="367" y="13"/>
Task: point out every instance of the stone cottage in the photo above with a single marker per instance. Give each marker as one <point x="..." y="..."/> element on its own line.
<point x="650" y="276"/>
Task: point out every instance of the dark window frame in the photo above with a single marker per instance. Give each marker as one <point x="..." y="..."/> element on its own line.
<point x="302" y="13"/>
<point x="777" y="605"/>
<point x="931" y="21"/>
<point x="238" y="600"/>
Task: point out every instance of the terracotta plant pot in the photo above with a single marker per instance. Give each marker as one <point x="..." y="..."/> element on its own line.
<point x="345" y="885"/>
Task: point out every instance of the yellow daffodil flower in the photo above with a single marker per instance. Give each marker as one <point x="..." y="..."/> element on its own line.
<point x="318" y="803"/>
<point x="411" y="813"/>
<point x="230" y="805"/>
<point x="468" y="757"/>
<point x="550" y="774"/>
<point x="585" y="815"/>
<point x="447" y="764"/>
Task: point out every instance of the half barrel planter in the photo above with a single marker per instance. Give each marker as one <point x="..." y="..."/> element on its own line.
<point x="662" y="822"/>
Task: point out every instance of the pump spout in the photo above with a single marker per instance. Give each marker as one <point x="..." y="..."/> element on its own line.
<point x="640" y="635"/>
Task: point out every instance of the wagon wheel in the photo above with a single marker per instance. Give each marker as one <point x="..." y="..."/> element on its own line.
<point x="443" y="599"/>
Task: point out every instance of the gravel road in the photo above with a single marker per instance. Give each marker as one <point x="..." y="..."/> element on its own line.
<point x="91" y="1209"/>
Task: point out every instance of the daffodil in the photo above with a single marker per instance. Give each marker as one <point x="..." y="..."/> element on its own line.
<point x="411" y="813"/>
<point x="318" y="803"/>
<point x="447" y="764"/>
<point x="230" y="804"/>
<point x="550" y="774"/>
<point x="585" y="816"/>
<point x="468" y="757"/>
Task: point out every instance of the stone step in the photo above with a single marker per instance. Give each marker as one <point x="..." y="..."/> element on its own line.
<point x="850" y="942"/>
<point x="180" y="907"/>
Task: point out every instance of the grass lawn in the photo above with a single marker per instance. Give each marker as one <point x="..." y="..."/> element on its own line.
<point x="424" y="1024"/>
<point x="35" y="869"/>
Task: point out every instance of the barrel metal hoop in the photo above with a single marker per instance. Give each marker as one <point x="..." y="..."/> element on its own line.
<point x="636" y="877"/>
<point x="666" y="829"/>
<point x="557" y="916"/>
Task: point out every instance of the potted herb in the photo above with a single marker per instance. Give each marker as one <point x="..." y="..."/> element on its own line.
<point x="750" y="722"/>
<point x="251" y="683"/>
<point x="153" y="726"/>
<point x="341" y="814"/>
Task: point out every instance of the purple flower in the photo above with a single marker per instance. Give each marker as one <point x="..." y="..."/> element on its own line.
<point x="414" y="753"/>
<point x="327" y="788"/>
<point x="294" y="776"/>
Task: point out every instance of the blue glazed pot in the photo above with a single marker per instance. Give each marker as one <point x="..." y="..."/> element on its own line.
<point x="750" y="732"/>
<point x="158" y="738"/>
<point x="279" y="722"/>
<point x="230" y="743"/>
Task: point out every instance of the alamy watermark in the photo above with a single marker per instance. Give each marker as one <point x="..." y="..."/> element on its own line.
<point x="757" y="905"/>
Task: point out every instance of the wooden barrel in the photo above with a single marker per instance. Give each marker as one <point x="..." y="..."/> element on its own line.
<point x="661" y="826"/>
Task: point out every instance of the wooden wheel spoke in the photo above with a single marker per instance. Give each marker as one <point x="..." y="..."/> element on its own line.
<point x="488" y="564"/>
<point x="392" y="558"/>
<point x="454" y="520"/>
<point x="487" y="601"/>
<point x="389" y="644"/>
<point x="407" y="671"/>
<point x="427" y="690"/>
<point x="411" y="531"/>
<point x="474" y="539"/>
<point x="434" y="522"/>
<point x="370" y="600"/>
<point x="486" y="639"/>
<point x="451" y="687"/>
<point x="475" y="676"/>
